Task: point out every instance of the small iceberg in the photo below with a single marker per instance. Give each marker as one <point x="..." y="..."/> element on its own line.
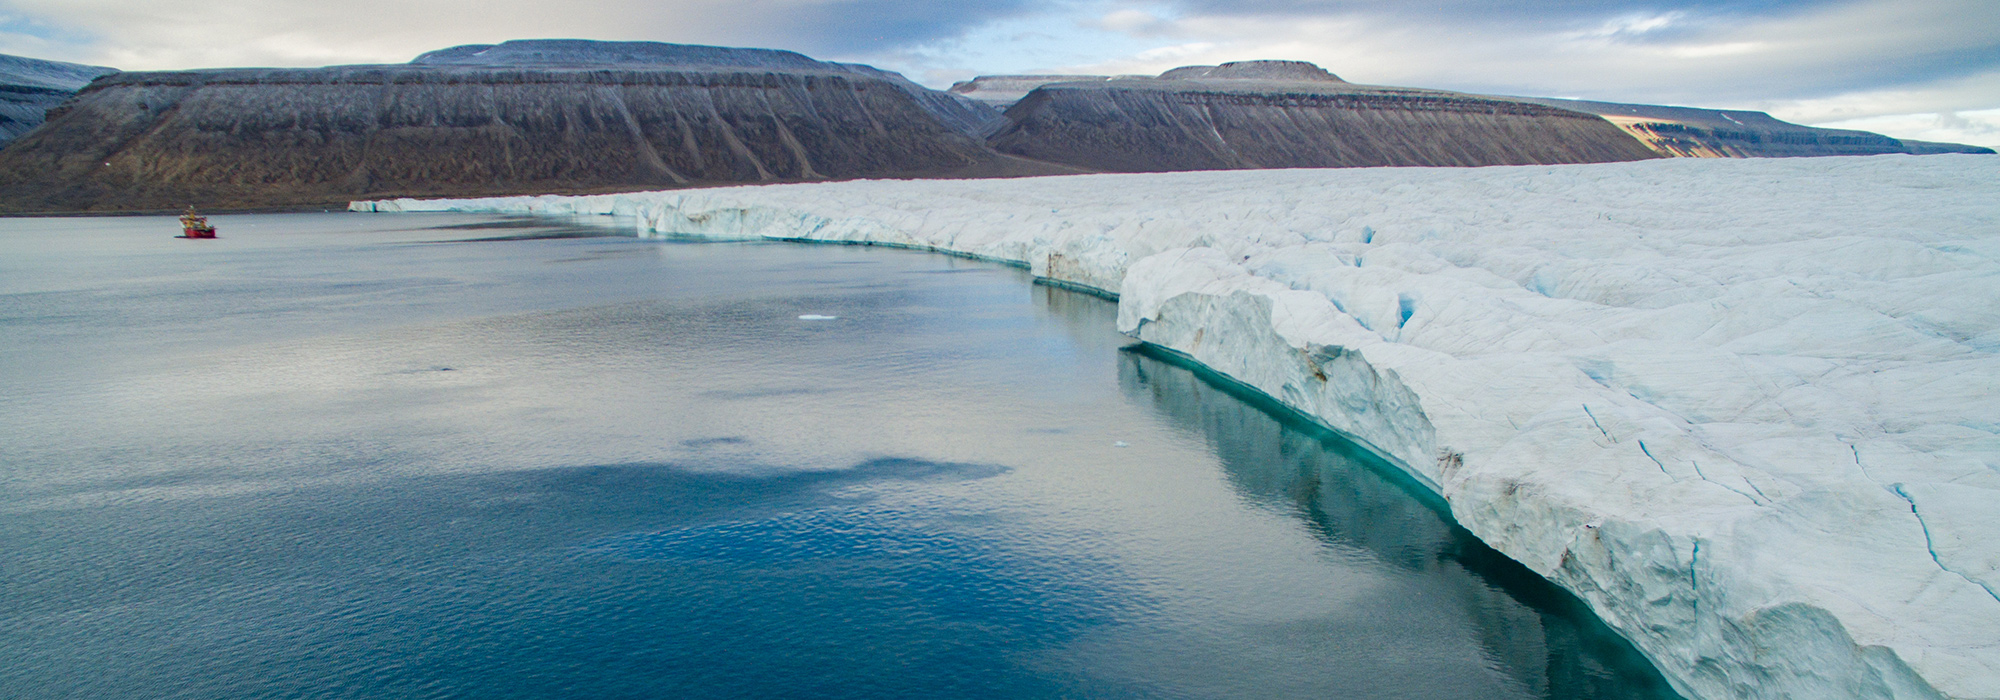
<point x="816" y="317"/>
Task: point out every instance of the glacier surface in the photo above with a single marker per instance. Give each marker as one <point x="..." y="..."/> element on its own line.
<point x="1746" y="409"/>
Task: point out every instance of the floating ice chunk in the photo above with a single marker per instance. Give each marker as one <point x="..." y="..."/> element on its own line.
<point x="1121" y="443"/>
<point x="816" y="317"/>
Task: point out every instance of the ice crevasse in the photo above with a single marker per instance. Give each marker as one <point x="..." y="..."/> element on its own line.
<point x="1748" y="410"/>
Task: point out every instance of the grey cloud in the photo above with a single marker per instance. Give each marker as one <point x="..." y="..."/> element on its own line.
<point x="1532" y="11"/>
<point x="1655" y="48"/>
<point x="1951" y="120"/>
<point x="163" y="34"/>
<point x="1626" y="50"/>
<point x="831" y="29"/>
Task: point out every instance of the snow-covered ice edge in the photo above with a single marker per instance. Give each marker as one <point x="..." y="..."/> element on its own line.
<point x="1748" y="410"/>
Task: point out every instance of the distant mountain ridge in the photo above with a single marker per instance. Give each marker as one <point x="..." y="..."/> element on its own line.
<point x="30" y="87"/>
<point x="504" y="119"/>
<point x="581" y="52"/>
<point x="1684" y="132"/>
<point x="1694" y="132"/>
<point x="962" y="114"/>
<point x="1289" y="114"/>
<point x="576" y="116"/>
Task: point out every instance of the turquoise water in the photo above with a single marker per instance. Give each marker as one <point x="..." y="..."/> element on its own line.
<point x="369" y="456"/>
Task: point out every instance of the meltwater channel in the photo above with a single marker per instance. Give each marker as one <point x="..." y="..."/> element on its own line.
<point x="440" y="456"/>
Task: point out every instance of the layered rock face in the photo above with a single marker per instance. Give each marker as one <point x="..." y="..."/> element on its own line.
<point x="1002" y="91"/>
<point x="1714" y="133"/>
<point x="1668" y="131"/>
<point x="1255" y="70"/>
<point x="964" y="115"/>
<point x="464" y="122"/>
<point x="1283" y="114"/>
<point x="30" y="87"/>
<point x="577" y="116"/>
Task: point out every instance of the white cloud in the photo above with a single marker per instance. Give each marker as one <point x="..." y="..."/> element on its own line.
<point x="177" y="34"/>
<point x="1840" y="62"/>
<point x="1958" y="110"/>
<point x="1871" y="58"/>
<point x="1633" y="25"/>
<point x="1177" y="52"/>
<point x="1978" y="128"/>
<point x="1132" y="21"/>
<point x="1969" y="93"/>
<point x="1734" y="48"/>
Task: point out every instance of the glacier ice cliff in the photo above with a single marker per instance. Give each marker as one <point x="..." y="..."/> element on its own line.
<point x="1746" y="409"/>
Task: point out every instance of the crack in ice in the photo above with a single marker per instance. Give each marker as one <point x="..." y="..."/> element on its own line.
<point x="1932" y="545"/>
<point x="1704" y="477"/>
<point x="1656" y="460"/>
<point x="1600" y="426"/>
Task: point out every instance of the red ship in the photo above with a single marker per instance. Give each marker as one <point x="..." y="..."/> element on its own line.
<point x="195" y="225"/>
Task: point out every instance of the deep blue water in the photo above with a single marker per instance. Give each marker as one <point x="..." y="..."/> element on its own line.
<point x="369" y="456"/>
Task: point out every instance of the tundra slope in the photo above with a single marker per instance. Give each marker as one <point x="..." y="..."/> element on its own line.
<point x="961" y="114"/>
<point x="1743" y="408"/>
<point x="1290" y="114"/>
<point x="1668" y="131"/>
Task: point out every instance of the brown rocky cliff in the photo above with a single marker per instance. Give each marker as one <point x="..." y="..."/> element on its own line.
<point x="254" y="138"/>
<point x="1139" y="125"/>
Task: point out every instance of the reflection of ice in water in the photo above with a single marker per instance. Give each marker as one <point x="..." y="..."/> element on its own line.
<point x="1403" y="551"/>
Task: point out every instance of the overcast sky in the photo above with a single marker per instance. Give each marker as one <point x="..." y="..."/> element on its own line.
<point x="1925" y="69"/>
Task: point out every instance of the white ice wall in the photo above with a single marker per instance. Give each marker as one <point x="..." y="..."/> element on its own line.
<point x="1747" y="409"/>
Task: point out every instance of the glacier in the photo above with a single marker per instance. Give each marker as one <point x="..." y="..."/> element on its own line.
<point x="1744" y="409"/>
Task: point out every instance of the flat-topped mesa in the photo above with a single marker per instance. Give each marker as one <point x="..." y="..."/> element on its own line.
<point x="1003" y="91"/>
<point x="582" y="52"/>
<point x="507" y="119"/>
<point x="966" y="116"/>
<point x="1255" y="70"/>
<point x="1290" y="114"/>
<point x="1694" y="132"/>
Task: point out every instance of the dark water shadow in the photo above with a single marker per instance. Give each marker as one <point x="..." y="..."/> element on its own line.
<point x="1537" y="633"/>
<point x="545" y="233"/>
<point x="613" y="581"/>
<point x="503" y="223"/>
<point x="536" y="228"/>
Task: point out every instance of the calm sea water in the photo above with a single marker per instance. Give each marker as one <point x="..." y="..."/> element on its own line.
<point x="367" y="456"/>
